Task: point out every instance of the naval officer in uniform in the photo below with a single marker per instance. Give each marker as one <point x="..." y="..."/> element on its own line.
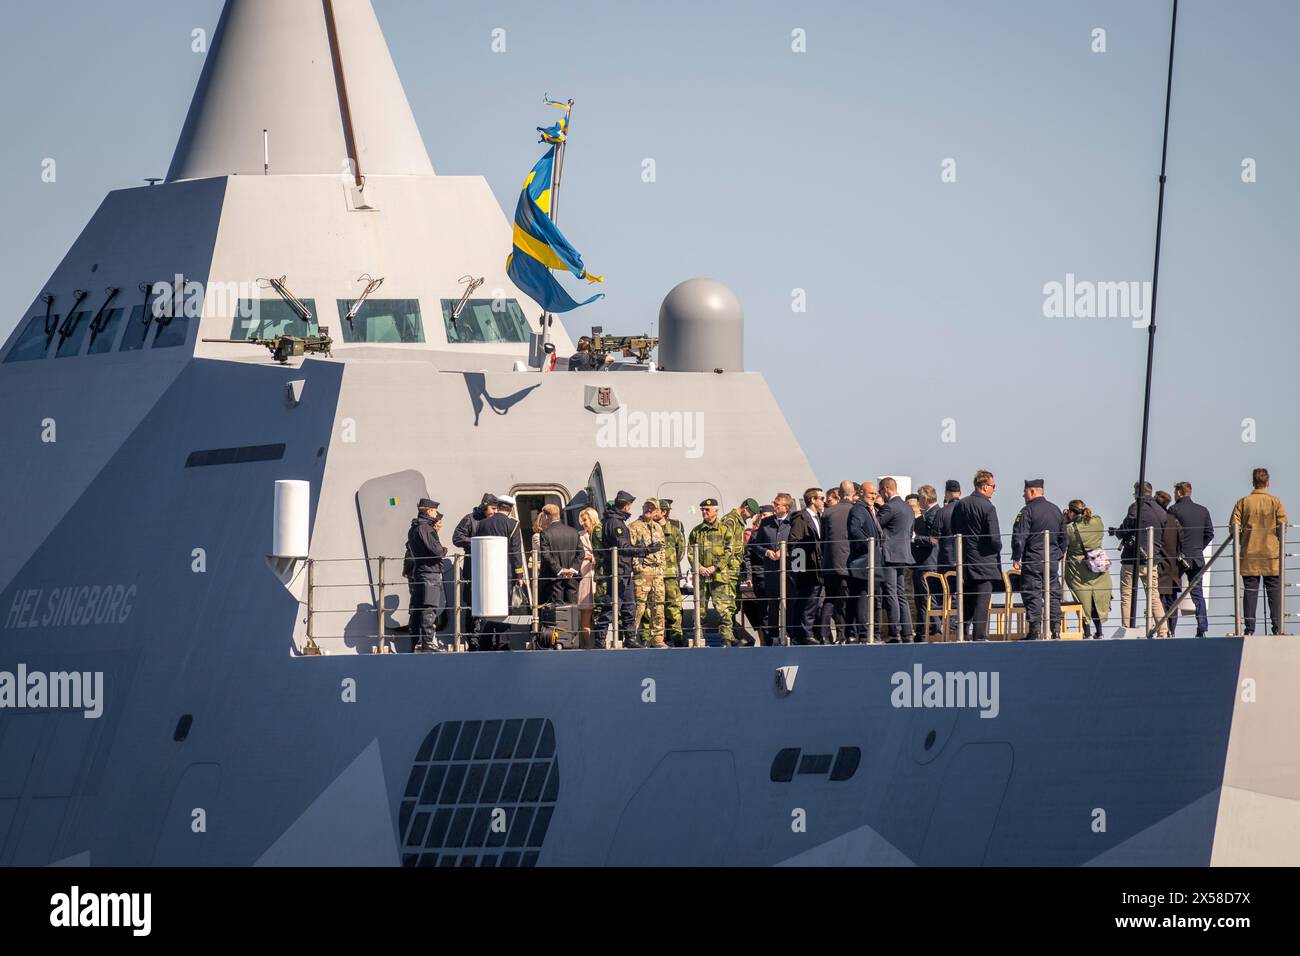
<point x="423" y="570"/>
<point x="1027" y="556"/>
<point x="614" y="534"/>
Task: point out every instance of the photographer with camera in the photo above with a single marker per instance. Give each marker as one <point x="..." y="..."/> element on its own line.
<point x="1144" y="513"/>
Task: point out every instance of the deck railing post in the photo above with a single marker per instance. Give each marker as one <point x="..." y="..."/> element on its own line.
<point x="383" y="643"/>
<point x="1047" y="586"/>
<point x="455" y="589"/>
<point x="613" y="596"/>
<point x="311" y="649"/>
<point x="536" y="563"/>
<point x="1151" y="578"/>
<point x="783" y="636"/>
<point x="961" y="592"/>
<point x="871" y="590"/>
<point x="1236" y="580"/>
<point x="1280" y="623"/>
<point x="696" y="580"/>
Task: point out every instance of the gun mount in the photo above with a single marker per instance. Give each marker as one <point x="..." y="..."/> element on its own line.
<point x="285" y="347"/>
<point x="638" y="346"/>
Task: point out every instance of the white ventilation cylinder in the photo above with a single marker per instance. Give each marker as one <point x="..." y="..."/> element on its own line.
<point x="292" y="521"/>
<point x="489" y="587"/>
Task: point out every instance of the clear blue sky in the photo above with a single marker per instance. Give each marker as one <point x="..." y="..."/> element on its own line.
<point x="821" y="171"/>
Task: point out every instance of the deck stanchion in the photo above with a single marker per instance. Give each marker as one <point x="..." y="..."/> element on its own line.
<point x="537" y="558"/>
<point x="1280" y="623"/>
<point x="1236" y="580"/>
<point x="455" y="590"/>
<point x="311" y="650"/>
<point x="1047" y="586"/>
<point x="871" y="590"/>
<point x="383" y="643"/>
<point x="783" y="635"/>
<point x="613" y="596"/>
<point x="695" y="577"/>
<point x="961" y="593"/>
<point x="1152" y="596"/>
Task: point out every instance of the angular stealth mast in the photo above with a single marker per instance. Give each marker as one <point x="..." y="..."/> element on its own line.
<point x="318" y="77"/>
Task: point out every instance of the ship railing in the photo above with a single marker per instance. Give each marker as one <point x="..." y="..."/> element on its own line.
<point x="765" y="592"/>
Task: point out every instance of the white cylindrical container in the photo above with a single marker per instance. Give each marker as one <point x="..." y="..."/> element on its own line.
<point x="291" y="524"/>
<point x="490" y="589"/>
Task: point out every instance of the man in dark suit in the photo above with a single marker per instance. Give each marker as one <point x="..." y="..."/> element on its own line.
<point x="896" y="521"/>
<point x="561" y="564"/>
<point x="838" y="609"/>
<point x="1198" y="534"/>
<point x="976" y="520"/>
<point x="864" y="527"/>
<point x="925" y="557"/>
<point x="804" y="549"/>
<point x="764" y="551"/>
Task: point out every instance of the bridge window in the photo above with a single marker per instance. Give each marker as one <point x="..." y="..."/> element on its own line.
<point x="103" y="342"/>
<point x="382" y="320"/>
<point x="271" y="318"/>
<point x="32" y="343"/>
<point x="480" y="322"/>
<point x="72" y="344"/>
<point x="234" y="456"/>
<point x="137" y="331"/>
<point x="171" y="332"/>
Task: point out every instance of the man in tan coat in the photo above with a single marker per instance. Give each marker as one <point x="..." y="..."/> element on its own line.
<point x="1259" y="515"/>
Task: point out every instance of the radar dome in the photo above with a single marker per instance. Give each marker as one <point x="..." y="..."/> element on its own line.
<point x="701" y="328"/>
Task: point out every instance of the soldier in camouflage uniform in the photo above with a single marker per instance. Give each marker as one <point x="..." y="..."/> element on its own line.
<point x="674" y="552"/>
<point x="648" y="573"/>
<point x="720" y="549"/>
<point x="736" y="521"/>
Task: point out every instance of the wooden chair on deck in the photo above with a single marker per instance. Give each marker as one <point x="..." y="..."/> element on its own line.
<point x="1007" y="620"/>
<point x="946" y="612"/>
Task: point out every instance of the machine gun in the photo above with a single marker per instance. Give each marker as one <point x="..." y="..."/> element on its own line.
<point x="639" y="346"/>
<point x="284" y="347"/>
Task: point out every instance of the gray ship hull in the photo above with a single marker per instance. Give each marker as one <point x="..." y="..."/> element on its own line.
<point x="288" y="772"/>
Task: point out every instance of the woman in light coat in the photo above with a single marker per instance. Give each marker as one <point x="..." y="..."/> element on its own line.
<point x="1083" y="533"/>
<point x="590" y="522"/>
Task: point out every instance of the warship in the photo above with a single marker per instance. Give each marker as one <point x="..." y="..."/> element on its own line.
<point x="184" y="680"/>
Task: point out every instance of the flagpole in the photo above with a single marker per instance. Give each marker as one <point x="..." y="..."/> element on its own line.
<point x="556" y="169"/>
<point x="1155" y="284"/>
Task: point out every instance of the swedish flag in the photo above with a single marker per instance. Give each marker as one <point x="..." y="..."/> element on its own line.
<point x="557" y="132"/>
<point x="539" y="246"/>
